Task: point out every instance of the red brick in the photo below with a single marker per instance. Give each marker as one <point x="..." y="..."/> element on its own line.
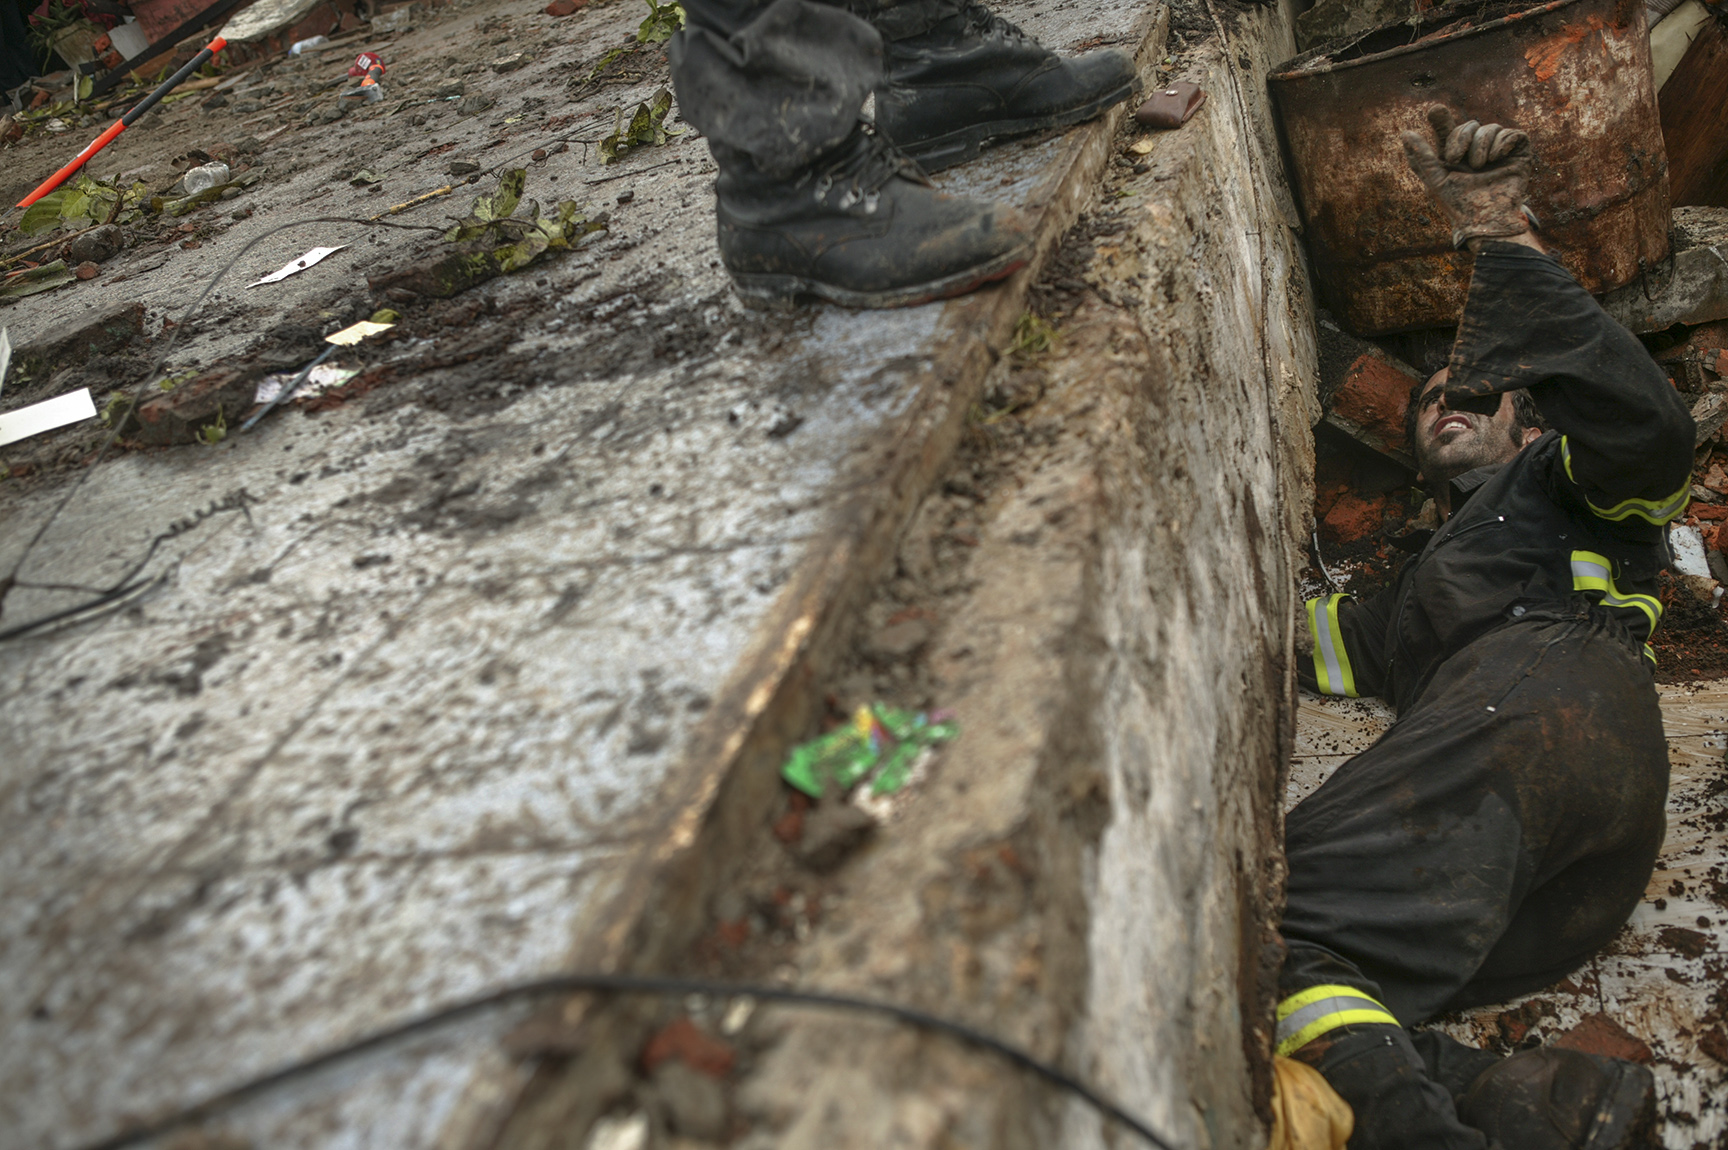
<point x="697" y="1050"/>
<point x="1373" y="396"/>
<point x="1351" y="518"/>
<point x="1599" y="1034"/>
<point x="565" y="7"/>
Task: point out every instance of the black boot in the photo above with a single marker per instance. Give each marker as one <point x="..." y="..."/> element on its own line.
<point x="1377" y="1071"/>
<point x="971" y="77"/>
<point x="1553" y="1099"/>
<point x="861" y="227"/>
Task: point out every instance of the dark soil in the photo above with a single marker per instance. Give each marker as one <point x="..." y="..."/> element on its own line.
<point x="1693" y="641"/>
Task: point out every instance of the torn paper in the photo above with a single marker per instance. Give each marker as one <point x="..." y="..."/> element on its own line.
<point x="297" y="266"/>
<point x="72" y="407"/>
<point x="349" y="336"/>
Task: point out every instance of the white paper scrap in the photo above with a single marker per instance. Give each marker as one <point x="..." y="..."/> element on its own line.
<point x="323" y="378"/>
<point x="5" y="353"/>
<point x="72" y="407"/>
<point x="349" y="336"/>
<point x="297" y="266"/>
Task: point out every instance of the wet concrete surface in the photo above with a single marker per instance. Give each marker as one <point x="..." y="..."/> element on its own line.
<point x="421" y="677"/>
<point x="1664" y="978"/>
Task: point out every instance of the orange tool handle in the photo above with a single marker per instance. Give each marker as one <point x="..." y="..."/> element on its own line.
<point x="125" y="121"/>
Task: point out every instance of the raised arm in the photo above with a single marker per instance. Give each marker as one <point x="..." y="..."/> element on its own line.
<point x="1628" y="437"/>
<point x="1627" y="451"/>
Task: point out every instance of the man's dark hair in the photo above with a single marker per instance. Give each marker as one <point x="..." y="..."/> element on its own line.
<point x="1524" y="414"/>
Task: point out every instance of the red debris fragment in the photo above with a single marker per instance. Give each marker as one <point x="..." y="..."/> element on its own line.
<point x="87" y="270"/>
<point x="1351" y="518"/>
<point x="1600" y="1034"/>
<point x="1373" y="396"/>
<point x="565" y="7"/>
<point x="699" y="1051"/>
<point x="789" y="827"/>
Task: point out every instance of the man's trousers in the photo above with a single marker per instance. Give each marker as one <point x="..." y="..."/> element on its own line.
<point x="1496" y="836"/>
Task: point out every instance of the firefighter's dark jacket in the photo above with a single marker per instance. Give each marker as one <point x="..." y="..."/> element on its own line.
<point x="1579" y="513"/>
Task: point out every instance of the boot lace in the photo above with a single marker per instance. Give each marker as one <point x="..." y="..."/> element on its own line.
<point x="862" y="171"/>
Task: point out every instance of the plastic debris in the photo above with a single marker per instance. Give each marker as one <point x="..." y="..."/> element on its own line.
<point x="322" y="378"/>
<point x="5" y="354"/>
<point x="73" y="407"/>
<point x="300" y="46"/>
<point x="880" y="744"/>
<point x="297" y="266"/>
<point x="204" y="177"/>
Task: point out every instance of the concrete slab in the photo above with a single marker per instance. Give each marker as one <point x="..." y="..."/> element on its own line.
<point x="1662" y="976"/>
<point x="434" y="684"/>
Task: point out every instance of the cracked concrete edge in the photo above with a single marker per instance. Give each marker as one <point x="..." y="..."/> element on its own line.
<point x="717" y="801"/>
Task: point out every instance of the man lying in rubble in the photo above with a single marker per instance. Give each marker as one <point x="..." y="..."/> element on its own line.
<point x="811" y="199"/>
<point x="1505" y="826"/>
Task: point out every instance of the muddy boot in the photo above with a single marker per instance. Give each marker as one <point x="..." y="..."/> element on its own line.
<point x="1452" y="1064"/>
<point x="1553" y="1099"/>
<point x="959" y="76"/>
<point x="1396" y="1106"/>
<point x="861" y="227"/>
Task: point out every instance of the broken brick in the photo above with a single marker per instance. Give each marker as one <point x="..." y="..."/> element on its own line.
<point x="683" y="1040"/>
<point x="87" y="270"/>
<point x="1369" y="403"/>
<point x="1351" y="518"/>
<point x="214" y="398"/>
<point x="1600" y="1034"/>
<point x="565" y="7"/>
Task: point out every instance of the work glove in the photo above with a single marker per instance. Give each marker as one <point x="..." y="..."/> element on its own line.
<point x="1480" y="175"/>
<point x="1307" y="1113"/>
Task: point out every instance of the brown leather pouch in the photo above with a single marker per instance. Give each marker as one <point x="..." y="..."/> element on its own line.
<point x="1171" y="105"/>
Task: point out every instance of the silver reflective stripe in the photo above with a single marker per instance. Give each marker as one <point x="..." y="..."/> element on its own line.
<point x="1332" y="670"/>
<point x="1293" y="1023"/>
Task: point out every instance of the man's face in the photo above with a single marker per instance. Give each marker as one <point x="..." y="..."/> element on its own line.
<point x="1449" y="443"/>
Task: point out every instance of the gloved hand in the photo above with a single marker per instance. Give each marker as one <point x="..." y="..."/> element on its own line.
<point x="1480" y="175"/>
<point x="1307" y="1113"/>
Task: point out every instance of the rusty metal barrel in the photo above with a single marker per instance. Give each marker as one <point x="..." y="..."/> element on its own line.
<point x="1574" y="74"/>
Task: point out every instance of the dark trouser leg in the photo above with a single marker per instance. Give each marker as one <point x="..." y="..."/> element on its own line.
<point x="809" y="202"/>
<point x="1497" y="835"/>
<point x="783" y="83"/>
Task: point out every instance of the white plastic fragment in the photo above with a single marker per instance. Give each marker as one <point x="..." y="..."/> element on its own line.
<point x="5" y="354"/>
<point x="613" y="1133"/>
<point x="1687" y="544"/>
<point x="297" y="266"/>
<point x="204" y="177"/>
<point x="323" y="378"/>
<point x="353" y="334"/>
<point x="73" y="407"/>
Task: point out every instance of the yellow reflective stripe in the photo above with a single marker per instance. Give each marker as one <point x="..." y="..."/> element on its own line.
<point x="1593" y="572"/>
<point x="1657" y="511"/>
<point x="1650" y="653"/>
<point x="1307" y="1015"/>
<point x="1332" y="671"/>
<point x="1329" y="1023"/>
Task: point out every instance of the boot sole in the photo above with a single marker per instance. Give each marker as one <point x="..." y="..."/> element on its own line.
<point x="1626" y="1118"/>
<point x="941" y="152"/>
<point x="757" y="288"/>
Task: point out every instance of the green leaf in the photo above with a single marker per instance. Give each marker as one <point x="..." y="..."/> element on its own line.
<point x="43" y="214"/>
<point x="647" y="127"/>
<point x="662" y="23"/>
<point x="45" y="278"/>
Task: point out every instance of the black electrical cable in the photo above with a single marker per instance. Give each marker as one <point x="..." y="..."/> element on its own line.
<point x="621" y="984"/>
